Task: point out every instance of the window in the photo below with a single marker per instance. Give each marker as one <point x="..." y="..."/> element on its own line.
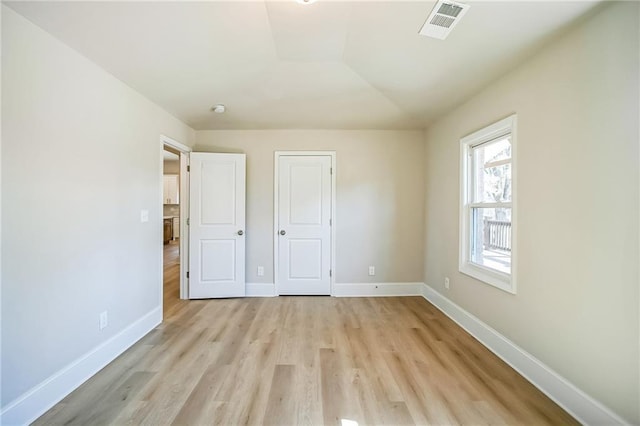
<point x="487" y="211"/>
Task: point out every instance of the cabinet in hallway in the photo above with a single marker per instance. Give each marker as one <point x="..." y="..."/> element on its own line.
<point x="170" y="189"/>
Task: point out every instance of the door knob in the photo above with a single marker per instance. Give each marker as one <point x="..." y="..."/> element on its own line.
<point x="240" y="232"/>
<point x="283" y="232"/>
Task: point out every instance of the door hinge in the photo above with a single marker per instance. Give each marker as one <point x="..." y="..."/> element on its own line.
<point x="330" y="272"/>
<point x="188" y="168"/>
<point x="331" y="170"/>
<point x="187" y="274"/>
<point x="188" y="222"/>
<point x="330" y="222"/>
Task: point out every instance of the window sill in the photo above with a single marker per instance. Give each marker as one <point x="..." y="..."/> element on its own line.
<point x="496" y="279"/>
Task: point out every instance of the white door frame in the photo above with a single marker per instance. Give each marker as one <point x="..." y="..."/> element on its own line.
<point x="184" y="212"/>
<point x="276" y="189"/>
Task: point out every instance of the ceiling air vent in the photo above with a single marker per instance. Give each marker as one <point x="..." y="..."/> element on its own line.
<point x="444" y="16"/>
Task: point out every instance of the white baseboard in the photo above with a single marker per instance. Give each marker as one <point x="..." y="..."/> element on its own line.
<point x="35" y="402"/>
<point x="261" y="290"/>
<point x="584" y="408"/>
<point x="347" y="290"/>
<point x="377" y="289"/>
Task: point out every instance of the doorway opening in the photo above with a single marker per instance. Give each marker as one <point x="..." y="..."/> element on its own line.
<point x="174" y="168"/>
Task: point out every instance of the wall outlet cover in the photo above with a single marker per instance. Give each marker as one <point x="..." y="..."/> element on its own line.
<point x="104" y="320"/>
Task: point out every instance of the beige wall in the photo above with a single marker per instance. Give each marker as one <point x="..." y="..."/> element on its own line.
<point x="171" y="167"/>
<point x="578" y="194"/>
<point x="80" y="159"/>
<point x="380" y="198"/>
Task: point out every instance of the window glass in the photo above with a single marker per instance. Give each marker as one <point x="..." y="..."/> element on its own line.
<point x="497" y="150"/>
<point x="492" y="172"/>
<point x="491" y="238"/>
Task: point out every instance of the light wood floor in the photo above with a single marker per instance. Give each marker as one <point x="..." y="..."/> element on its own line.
<point x="171" y="278"/>
<point x="303" y="361"/>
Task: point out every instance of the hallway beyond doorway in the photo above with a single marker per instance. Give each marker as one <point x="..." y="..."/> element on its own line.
<point x="171" y="278"/>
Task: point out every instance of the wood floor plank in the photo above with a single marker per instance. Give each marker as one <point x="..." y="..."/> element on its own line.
<point x="411" y="390"/>
<point x="369" y="358"/>
<point x="168" y="392"/>
<point x="195" y="409"/>
<point x="111" y="405"/>
<point x="338" y="403"/>
<point x="304" y="361"/>
<point x="249" y="381"/>
<point x="281" y="407"/>
<point x="377" y="409"/>
<point x="308" y="394"/>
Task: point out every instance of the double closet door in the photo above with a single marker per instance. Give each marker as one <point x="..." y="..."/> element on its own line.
<point x="217" y="233"/>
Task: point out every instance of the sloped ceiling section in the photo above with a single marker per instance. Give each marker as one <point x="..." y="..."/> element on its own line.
<point x="280" y="64"/>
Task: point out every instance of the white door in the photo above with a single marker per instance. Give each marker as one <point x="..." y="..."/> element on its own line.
<point x="304" y="230"/>
<point x="216" y="225"/>
<point x="171" y="189"/>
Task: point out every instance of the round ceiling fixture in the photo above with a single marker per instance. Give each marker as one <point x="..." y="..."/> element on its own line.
<point x="219" y="109"/>
<point x="306" y="1"/>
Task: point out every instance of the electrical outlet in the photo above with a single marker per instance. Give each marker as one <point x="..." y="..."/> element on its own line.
<point x="104" y="320"/>
<point x="372" y="270"/>
<point x="261" y="271"/>
<point x="446" y="283"/>
<point x="144" y="216"/>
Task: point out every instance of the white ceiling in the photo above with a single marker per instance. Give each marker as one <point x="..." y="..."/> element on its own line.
<point x="280" y="64"/>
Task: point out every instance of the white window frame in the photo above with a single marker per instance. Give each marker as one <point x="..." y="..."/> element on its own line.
<point x="501" y="280"/>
